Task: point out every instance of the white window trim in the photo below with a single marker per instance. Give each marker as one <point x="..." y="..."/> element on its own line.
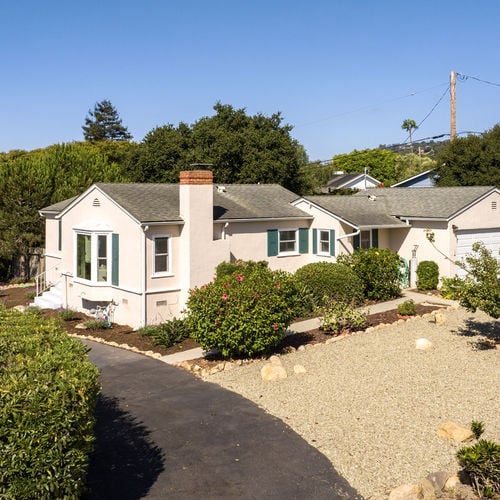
<point x="293" y="252"/>
<point x="93" y="249"/>
<point x="318" y="242"/>
<point x="162" y="274"/>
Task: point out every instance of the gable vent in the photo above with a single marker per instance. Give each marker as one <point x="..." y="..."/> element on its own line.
<point x="96" y="202"/>
<point x="493" y="205"/>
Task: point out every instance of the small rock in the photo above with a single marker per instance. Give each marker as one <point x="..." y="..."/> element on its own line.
<point x="196" y="368"/>
<point x="228" y="366"/>
<point x="423" y="344"/>
<point x="185" y="365"/>
<point x="370" y="329"/>
<point x="452" y="482"/>
<point x="440" y="319"/>
<point x="406" y="492"/>
<point x="301" y="348"/>
<point x="454" y="432"/>
<point x="19" y="308"/>
<point x="81" y="326"/>
<point x="438" y="480"/>
<point x="271" y="373"/>
<point x="275" y="360"/>
<point x="299" y="370"/>
<point x="428" y="491"/>
<point x="289" y="349"/>
<point x="214" y="370"/>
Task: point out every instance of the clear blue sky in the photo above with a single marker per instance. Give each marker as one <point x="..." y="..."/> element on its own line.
<point x="340" y="71"/>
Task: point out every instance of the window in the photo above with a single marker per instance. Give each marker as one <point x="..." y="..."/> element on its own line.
<point x="161" y="258"/>
<point x="92" y="257"/>
<point x="324" y="241"/>
<point x="287" y="241"/>
<point x="365" y="239"/>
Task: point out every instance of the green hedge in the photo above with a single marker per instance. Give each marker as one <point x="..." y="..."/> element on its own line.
<point x="330" y="280"/>
<point x="48" y="393"/>
<point x="427" y="275"/>
<point x="378" y="270"/>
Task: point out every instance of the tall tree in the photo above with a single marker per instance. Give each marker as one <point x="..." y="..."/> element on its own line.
<point x="471" y="161"/>
<point x="240" y="149"/>
<point x="409" y="125"/>
<point x="104" y="123"/>
<point x="381" y="164"/>
<point x="39" y="178"/>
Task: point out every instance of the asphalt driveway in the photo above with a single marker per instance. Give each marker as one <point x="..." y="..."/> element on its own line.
<point x="162" y="433"/>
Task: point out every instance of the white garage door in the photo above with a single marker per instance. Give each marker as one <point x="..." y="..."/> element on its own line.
<point x="465" y="240"/>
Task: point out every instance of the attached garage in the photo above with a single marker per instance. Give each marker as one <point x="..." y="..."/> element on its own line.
<point x="466" y="238"/>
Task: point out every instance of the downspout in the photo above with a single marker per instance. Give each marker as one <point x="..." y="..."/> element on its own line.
<point x="144" y="274"/>
<point x="349" y="235"/>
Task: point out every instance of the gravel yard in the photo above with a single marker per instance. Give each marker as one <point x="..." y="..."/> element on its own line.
<point x="372" y="403"/>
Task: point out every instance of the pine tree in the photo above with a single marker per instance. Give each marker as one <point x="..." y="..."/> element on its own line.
<point x="104" y="123"/>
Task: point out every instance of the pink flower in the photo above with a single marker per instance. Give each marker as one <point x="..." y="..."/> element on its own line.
<point x="203" y="287"/>
<point x="225" y="296"/>
<point x="193" y="292"/>
<point x="227" y="285"/>
<point x="278" y="285"/>
<point x="217" y="323"/>
<point x="275" y="327"/>
<point x="255" y="297"/>
<point x="240" y="277"/>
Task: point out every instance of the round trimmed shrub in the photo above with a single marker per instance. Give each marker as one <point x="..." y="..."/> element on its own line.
<point x="427" y="275"/>
<point x="378" y="270"/>
<point x="245" y="314"/>
<point x="330" y="280"/>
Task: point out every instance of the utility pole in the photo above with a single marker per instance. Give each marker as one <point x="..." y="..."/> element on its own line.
<point x="453" y="96"/>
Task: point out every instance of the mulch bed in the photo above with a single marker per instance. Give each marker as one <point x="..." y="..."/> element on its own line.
<point x="123" y="334"/>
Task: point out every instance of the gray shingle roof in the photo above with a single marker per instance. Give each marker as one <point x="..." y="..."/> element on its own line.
<point x="160" y="202"/>
<point x="428" y="202"/>
<point x="391" y="204"/>
<point x="359" y="211"/>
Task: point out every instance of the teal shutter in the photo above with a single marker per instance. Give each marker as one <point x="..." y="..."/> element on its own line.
<point x="303" y="240"/>
<point x="374" y="238"/>
<point x="315" y="241"/>
<point x="59" y="237"/>
<point x="332" y="242"/>
<point x="272" y="242"/>
<point x="115" y="253"/>
<point x="355" y="242"/>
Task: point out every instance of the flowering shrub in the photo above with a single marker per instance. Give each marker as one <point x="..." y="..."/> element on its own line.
<point x="378" y="270"/>
<point x="338" y="317"/>
<point x="245" y="314"/>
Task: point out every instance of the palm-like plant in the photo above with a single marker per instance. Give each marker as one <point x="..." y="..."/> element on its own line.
<point x="409" y="125"/>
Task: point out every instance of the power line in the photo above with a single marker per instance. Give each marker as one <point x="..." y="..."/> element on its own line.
<point x="430" y="112"/>
<point x="368" y="106"/>
<point x="467" y="77"/>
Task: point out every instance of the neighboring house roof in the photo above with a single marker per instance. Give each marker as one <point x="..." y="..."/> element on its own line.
<point x="422" y="176"/>
<point x="386" y="207"/>
<point x="150" y="203"/>
<point x="339" y="181"/>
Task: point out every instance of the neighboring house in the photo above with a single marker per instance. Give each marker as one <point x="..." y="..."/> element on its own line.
<point x="144" y="246"/>
<point x="339" y="180"/>
<point x="423" y="179"/>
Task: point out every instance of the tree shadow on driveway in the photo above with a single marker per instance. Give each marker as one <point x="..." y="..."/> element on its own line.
<point x="125" y="463"/>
